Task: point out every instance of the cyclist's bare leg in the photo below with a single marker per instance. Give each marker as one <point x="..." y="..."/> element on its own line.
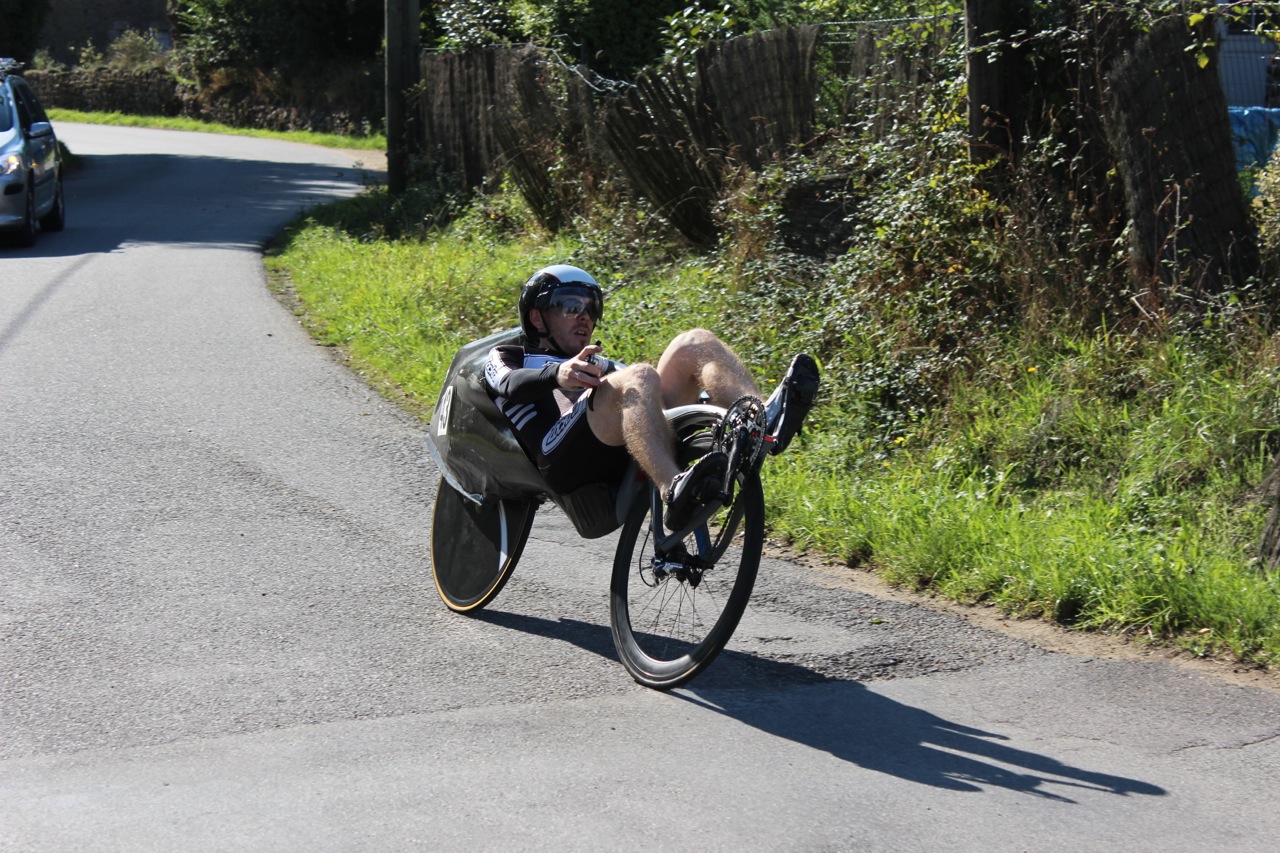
<point x="628" y="405"/>
<point x="627" y="410"/>
<point x="697" y="361"/>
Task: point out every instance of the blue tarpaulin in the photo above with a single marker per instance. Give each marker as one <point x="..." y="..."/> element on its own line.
<point x="1255" y="130"/>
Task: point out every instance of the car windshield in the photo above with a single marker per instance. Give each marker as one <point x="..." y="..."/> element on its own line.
<point x="6" y="111"/>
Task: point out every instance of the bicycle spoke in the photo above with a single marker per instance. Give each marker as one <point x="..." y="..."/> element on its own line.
<point x="673" y="612"/>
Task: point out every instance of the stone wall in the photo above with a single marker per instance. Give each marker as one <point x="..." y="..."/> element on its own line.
<point x="351" y="108"/>
<point x="153" y="93"/>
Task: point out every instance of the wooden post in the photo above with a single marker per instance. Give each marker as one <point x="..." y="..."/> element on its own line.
<point x="402" y="73"/>
<point x="1269" y="549"/>
<point x="987" y="24"/>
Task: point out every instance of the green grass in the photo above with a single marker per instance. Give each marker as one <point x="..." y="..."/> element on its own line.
<point x="374" y="142"/>
<point x="400" y="309"/>
<point x="1100" y="481"/>
<point x="1060" y="490"/>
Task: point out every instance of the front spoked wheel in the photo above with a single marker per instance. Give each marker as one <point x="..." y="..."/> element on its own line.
<point x="673" y="613"/>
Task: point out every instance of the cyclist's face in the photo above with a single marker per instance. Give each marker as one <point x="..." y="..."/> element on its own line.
<point x="569" y="322"/>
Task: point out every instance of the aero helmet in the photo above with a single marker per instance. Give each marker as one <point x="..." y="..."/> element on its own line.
<point x="562" y="278"/>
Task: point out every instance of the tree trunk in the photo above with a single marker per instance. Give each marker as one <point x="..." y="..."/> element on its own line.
<point x="996" y="82"/>
<point x="1269" y="549"/>
<point x="1191" y="231"/>
<point x="402" y="71"/>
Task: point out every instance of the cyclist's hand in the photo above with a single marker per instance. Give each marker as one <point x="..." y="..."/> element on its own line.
<point x="580" y="371"/>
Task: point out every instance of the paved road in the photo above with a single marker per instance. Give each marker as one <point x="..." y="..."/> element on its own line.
<point x="217" y="630"/>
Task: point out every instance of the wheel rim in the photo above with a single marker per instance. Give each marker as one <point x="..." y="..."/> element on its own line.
<point x="672" y="617"/>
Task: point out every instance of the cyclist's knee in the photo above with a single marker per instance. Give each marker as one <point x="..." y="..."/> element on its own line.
<point x="642" y="383"/>
<point x="632" y="383"/>
<point x="694" y="339"/>
<point x="635" y="387"/>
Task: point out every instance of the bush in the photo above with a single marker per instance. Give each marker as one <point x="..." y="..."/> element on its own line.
<point x="135" y="51"/>
<point x="289" y="36"/>
<point x="1266" y="205"/>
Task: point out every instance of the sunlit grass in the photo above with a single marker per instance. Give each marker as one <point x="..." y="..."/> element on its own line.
<point x="1136" y="515"/>
<point x="374" y="142"/>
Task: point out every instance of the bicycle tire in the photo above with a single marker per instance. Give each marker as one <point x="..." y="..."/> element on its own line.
<point x="667" y="630"/>
<point x="474" y="548"/>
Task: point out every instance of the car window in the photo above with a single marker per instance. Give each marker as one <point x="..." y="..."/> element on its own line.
<point x="24" y="115"/>
<point x="6" y="111"/>
<point x="29" y="109"/>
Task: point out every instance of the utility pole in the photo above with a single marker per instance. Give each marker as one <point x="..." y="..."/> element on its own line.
<point x="987" y="24"/>
<point x="403" y="70"/>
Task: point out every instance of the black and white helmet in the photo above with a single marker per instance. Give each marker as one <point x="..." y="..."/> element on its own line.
<point x="560" y="279"/>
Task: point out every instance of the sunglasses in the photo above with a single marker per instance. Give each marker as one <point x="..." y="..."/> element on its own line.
<point x="574" y="306"/>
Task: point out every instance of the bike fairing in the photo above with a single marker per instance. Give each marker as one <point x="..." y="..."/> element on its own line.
<point x="549" y="421"/>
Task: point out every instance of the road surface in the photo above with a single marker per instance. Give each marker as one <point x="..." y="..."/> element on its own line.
<point x="218" y="629"/>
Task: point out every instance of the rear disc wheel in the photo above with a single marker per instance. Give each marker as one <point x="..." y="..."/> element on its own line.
<point x="475" y="547"/>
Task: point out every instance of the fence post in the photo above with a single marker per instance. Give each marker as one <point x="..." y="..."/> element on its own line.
<point x="402" y="72"/>
<point x="987" y="24"/>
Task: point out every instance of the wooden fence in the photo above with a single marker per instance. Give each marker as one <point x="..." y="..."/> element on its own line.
<point x="678" y="131"/>
<point x="672" y="134"/>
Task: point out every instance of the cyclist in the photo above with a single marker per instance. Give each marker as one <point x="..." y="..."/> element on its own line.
<point x="580" y="417"/>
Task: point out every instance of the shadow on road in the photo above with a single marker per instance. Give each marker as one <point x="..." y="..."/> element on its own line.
<point x="853" y="723"/>
<point x="730" y="670"/>
<point x="119" y="200"/>
<point x="865" y="728"/>
<point x="116" y="200"/>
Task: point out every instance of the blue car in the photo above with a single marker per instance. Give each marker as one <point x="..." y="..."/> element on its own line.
<point x="30" y="162"/>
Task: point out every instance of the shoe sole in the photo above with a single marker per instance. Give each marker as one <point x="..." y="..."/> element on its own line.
<point x="701" y="492"/>
<point x="801" y="389"/>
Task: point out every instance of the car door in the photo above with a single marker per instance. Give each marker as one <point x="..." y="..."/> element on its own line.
<point x="42" y="149"/>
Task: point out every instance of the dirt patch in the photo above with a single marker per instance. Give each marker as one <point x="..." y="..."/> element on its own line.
<point x="368" y="159"/>
<point x="1038" y="632"/>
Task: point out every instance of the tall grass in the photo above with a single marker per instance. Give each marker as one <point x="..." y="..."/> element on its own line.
<point x="1058" y="489"/>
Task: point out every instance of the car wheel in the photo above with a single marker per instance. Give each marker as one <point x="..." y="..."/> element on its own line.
<point x="27" y="233"/>
<point x="56" y="218"/>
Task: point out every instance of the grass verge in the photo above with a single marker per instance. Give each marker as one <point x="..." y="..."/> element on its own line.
<point x="329" y="140"/>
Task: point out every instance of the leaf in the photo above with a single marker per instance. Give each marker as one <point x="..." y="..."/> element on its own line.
<point x="1196" y="18"/>
<point x="1202" y="59"/>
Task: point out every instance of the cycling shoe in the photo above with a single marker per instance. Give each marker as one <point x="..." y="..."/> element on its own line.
<point x="693" y="488"/>
<point x="791" y="401"/>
